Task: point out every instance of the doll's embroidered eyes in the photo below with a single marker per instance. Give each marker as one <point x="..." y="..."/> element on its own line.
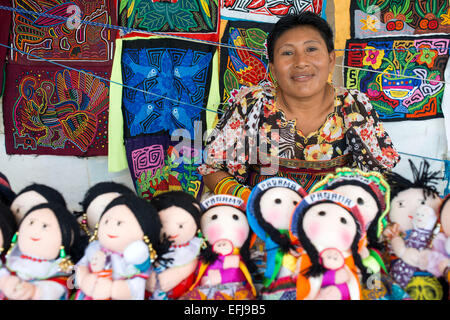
<point x="235" y="217"/>
<point x="360" y="201"/>
<point x="119" y="223"/>
<point x="214" y="217"/>
<point x="180" y="226"/>
<point x="277" y="201"/>
<point x="343" y="221"/>
<point x="422" y="202"/>
<point x="321" y="213"/>
<point x="31" y="222"/>
<point x="44" y="226"/>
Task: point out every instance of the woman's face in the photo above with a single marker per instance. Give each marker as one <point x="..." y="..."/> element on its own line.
<point x="301" y="62"/>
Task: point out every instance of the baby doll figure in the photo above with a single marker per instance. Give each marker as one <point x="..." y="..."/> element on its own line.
<point x="8" y="228"/>
<point x="336" y="278"/>
<point x="117" y="263"/>
<point x="424" y="221"/>
<point x="33" y="195"/>
<point x="328" y="225"/>
<point x="42" y="254"/>
<point x="223" y="272"/>
<point x="409" y="201"/>
<point x="371" y="194"/>
<point x="95" y="201"/>
<point x="7" y="195"/>
<point x="180" y="217"/>
<point x="269" y="211"/>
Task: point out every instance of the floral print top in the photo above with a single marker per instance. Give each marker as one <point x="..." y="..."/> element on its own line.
<point x="253" y="122"/>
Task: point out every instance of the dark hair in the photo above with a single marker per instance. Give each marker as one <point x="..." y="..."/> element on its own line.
<point x="179" y="199"/>
<point x="8" y="225"/>
<point x="72" y="240"/>
<point x="49" y="193"/>
<point x="282" y="240"/>
<point x="148" y="218"/>
<point x="7" y="195"/>
<point x="423" y="179"/>
<point x="373" y="227"/>
<point x="289" y="22"/>
<point x="316" y="268"/>
<point x="102" y="188"/>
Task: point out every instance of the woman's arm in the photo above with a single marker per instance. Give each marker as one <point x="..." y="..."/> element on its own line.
<point x="212" y="179"/>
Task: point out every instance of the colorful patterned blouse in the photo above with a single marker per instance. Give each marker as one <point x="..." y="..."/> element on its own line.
<point x="253" y="140"/>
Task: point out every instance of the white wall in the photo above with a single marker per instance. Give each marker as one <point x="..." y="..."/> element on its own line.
<point x="72" y="176"/>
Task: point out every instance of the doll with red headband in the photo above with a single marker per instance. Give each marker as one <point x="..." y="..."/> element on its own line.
<point x="328" y="227"/>
<point x="225" y="266"/>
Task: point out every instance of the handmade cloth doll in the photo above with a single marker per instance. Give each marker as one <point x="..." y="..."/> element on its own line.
<point x="371" y="193"/>
<point x="95" y="201"/>
<point x="117" y="262"/>
<point x="225" y="266"/>
<point x="180" y="218"/>
<point x="33" y="195"/>
<point x="8" y="228"/>
<point x="417" y="201"/>
<point x="269" y="211"/>
<point x="328" y="225"/>
<point x="42" y="255"/>
<point x="7" y="195"/>
<point x="437" y="259"/>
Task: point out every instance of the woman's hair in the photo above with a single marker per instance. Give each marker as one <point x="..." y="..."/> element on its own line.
<point x="72" y="240"/>
<point x="289" y="22"/>
<point x="282" y="240"/>
<point x="8" y="225"/>
<point x="179" y="199"/>
<point x="148" y="218"/>
<point x="316" y="268"/>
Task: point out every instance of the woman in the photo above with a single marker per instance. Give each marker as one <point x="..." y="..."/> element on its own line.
<point x="308" y="126"/>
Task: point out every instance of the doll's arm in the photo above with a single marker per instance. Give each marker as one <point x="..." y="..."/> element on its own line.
<point x="170" y="278"/>
<point x="132" y="289"/>
<point x="410" y="256"/>
<point x="44" y="290"/>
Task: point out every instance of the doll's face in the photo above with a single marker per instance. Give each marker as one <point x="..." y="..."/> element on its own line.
<point x="97" y="206"/>
<point x="405" y="204"/>
<point x="367" y="205"/>
<point x="277" y="206"/>
<point x="25" y="202"/>
<point x="97" y="262"/>
<point x="178" y="224"/>
<point x="225" y="222"/>
<point x="223" y="247"/>
<point x="118" y="228"/>
<point x="332" y="259"/>
<point x="328" y="225"/>
<point x="40" y="235"/>
<point x="445" y="218"/>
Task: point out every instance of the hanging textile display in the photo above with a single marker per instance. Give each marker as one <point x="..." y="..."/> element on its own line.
<point x="51" y="110"/>
<point x="158" y="164"/>
<point x="392" y="72"/>
<point x="192" y="18"/>
<point x="43" y="35"/>
<point x="267" y="10"/>
<point x="5" y="21"/>
<point x="243" y="67"/>
<point x="381" y="18"/>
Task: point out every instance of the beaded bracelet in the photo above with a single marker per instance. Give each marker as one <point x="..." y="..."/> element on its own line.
<point x="225" y="184"/>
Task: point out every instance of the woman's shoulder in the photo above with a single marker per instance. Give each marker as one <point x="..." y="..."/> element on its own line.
<point x="353" y="102"/>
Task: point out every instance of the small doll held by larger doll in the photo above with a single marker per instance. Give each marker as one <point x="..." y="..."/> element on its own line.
<point x="180" y="218"/>
<point x="225" y="266"/>
<point x="269" y="211"/>
<point x="413" y="215"/>
<point x="33" y="195"/>
<point x="328" y="226"/>
<point x="118" y="261"/>
<point x="42" y="254"/>
<point x="95" y="201"/>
